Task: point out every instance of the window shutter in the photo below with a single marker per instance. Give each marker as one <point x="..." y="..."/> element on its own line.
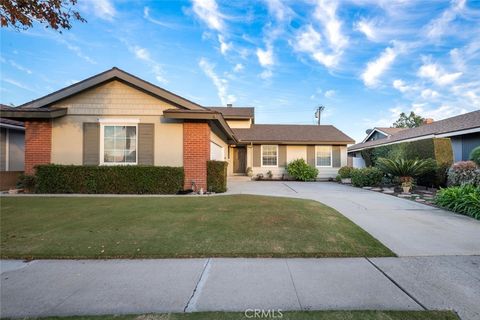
<point x="91" y="143"/>
<point x="336" y="161"/>
<point x="257" y="155"/>
<point x="311" y="155"/>
<point x="146" y="136"/>
<point x="282" y="156"/>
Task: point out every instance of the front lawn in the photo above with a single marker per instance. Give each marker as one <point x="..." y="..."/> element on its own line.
<point x="169" y="227"/>
<point x="308" y="315"/>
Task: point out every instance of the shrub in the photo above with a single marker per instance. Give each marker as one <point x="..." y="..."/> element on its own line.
<point x="439" y="149"/>
<point x="27" y="182"/>
<point x="464" y="172"/>
<point x="463" y="199"/>
<point x="406" y="170"/>
<point x="366" y="177"/>
<point x="300" y="170"/>
<point x="269" y="174"/>
<point x="217" y="176"/>
<point x="109" y="179"/>
<point x="338" y="178"/>
<point x="475" y="155"/>
<point x="345" y="172"/>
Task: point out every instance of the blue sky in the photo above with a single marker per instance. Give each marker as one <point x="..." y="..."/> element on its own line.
<point x="365" y="60"/>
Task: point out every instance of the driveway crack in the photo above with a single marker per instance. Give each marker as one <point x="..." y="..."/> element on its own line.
<point x="293" y="283"/>
<point x="397" y="284"/>
<point x="192" y="302"/>
<point x="286" y="185"/>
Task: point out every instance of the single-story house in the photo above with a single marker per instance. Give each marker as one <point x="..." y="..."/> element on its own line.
<point x="463" y="132"/>
<point x="12" y="142"/>
<point x="115" y="118"/>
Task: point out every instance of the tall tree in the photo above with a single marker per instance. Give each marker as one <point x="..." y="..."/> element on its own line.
<point x="410" y="121"/>
<point x="56" y="14"/>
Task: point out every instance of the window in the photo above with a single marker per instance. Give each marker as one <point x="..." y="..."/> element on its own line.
<point x="323" y="156"/>
<point x="118" y="144"/>
<point x="269" y="156"/>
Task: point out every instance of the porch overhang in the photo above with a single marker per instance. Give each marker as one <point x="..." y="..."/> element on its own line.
<point x="33" y="113"/>
<point x="213" y="117"/>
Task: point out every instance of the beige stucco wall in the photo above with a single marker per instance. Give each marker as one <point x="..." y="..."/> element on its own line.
<point x="239" y="123"/>
<point x="296" y="152"/>
<point x="216" y="139"/>
<point x="119" y="101"/>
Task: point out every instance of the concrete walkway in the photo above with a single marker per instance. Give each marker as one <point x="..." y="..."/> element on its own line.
<point x="406" y="227"/>
<point x="88" y="287"/>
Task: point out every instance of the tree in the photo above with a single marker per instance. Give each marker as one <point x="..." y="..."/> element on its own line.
<point x="56" y="14"/>
<point x="410" y="121"/>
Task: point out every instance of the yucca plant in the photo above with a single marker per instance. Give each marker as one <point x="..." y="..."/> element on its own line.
<point x="405" y="169"/>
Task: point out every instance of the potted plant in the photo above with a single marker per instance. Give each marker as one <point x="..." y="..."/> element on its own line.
<point x="405" y="169"/>
<point x="345" y="174"/>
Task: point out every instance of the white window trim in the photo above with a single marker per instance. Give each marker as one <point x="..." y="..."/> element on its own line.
<point x="261" y="156"/>
<point x="331" y="157"/>
<point x="102" y="142"/>
<point x="118" y="121"/>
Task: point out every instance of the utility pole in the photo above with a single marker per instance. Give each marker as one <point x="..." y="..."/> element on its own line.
<point x="318" y="113"/>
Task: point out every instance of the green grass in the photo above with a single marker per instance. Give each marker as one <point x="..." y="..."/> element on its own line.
<point x="142" y="227"/>
<point x="310" y="315"/>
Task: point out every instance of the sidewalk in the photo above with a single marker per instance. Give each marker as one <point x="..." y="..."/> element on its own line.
<point x="87" y="287"/>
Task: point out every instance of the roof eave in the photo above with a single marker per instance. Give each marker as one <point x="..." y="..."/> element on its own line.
<point x="33" y="114"/>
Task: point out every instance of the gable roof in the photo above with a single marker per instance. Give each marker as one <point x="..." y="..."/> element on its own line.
<point x="383" y="130"/>
<point x="443" y="128"/>
<point x="293" y="134"/>
<point x="235" y="112"/>
<point x="107" y="76"/>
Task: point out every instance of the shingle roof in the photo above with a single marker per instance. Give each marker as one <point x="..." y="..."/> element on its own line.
<point x="285" y="133"/>
<point x="465" y="121"/>
<point x="235" y="112"/>
<point x="4" y="107"/>
<point x="390" y="130"/>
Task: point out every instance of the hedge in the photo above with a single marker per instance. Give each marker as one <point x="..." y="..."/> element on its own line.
<point x="217" y="176"/>
<point x="108" y="179"/>
<point x="366" y="177"/>
<point x="439" y="149"/>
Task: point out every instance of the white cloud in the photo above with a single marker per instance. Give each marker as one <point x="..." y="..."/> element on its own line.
<point x="224" y="46"/>
<point x="377" y="67"/>
<point x="220" y="83"/>
<point x="429" y="94"/>
<point x="279" y="9"/>
<point x="144" y="55"/>
<point x="238" y="67"/>
<point x="367" y="28"/>
<point x="77" y="51"/>
<point x="310" y="41"/>
<point x="400" y="85"/>
<point x="266" y="74"/>
<point x="207" y="11"/>
<point x="103" y="9"/>
<point x="330" y="94"/>
<point x="148" y="17"/>
<point x="17" y="84"/>
<point x="439" y="26"/>
<point x="436" y="74"/>
<point x="16" y="65"/>
<point x="265" y="57"/>
<point x="325" y="12"/>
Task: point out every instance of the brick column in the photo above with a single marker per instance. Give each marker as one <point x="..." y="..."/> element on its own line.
<point x="196" y="153"/>
<point x="38" y="143"/>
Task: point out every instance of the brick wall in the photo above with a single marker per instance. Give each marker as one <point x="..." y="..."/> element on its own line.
<point x="196" y="153"/>
<point x="38" y="143"/>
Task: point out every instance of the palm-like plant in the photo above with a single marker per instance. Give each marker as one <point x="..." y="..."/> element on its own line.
<point x="405" y="169"/>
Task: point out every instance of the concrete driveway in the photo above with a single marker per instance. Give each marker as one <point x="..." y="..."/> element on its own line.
<point x="406" y="227"/>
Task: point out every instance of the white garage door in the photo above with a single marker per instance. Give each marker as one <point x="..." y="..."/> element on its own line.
<point x="216" y="152"/>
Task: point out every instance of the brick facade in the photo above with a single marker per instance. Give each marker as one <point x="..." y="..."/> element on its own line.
<point x="196" y="153"/>
<point x="38" y="143"/>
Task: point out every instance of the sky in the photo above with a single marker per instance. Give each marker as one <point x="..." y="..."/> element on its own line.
<point x="364" y="60"/>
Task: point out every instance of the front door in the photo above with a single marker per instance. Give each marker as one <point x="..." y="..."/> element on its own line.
<point x="239" y="160"/>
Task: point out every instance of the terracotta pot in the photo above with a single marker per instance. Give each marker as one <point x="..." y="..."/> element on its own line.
<point x="406" y="189"/>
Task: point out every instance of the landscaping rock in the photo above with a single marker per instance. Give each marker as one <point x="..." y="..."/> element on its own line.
<point x="376" y="189"/>
<point x="419" y="200"/>
<point x="388" y="191"/>
<point x="367" y="188"/>
<point x="404" y="195"/>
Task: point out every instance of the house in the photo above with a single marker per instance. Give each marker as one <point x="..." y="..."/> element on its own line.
<point x="463" y="132"/>
<point x="115" y="118"/>
<point x="12" y="136"/>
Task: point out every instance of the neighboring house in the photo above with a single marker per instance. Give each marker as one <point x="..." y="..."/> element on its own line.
<point x="463" y="131"/>
<point x="12" y="141"/>
<point x="115" y="118"/>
